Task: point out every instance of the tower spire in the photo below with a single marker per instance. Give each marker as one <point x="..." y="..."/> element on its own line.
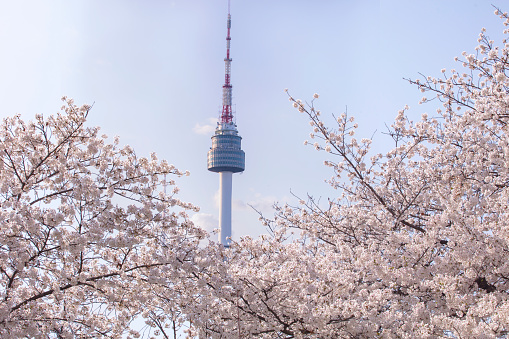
<point x="226" y="156"/>
<point x="227" y="112"/>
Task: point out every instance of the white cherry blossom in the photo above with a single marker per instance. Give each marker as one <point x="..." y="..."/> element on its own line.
<point x="85" y="229"/>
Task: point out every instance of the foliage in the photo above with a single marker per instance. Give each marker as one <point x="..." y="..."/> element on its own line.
<point x="84" y="228"/>
<point x="415" y="244"/>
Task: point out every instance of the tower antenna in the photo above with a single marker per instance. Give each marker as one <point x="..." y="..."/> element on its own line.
<point x="227" y="113"/>
<point x="226" y="156"/>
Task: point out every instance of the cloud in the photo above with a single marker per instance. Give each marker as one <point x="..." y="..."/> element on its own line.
<point x="259" y="203"/>
<point x="263" y="204"/>
<point x="207" y="128"/>
<point x="240" y="205"/>
<point x="208" y="222"/>
<point x="217" y="199"/>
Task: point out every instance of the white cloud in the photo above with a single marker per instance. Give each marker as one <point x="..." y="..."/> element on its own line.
<point x="259" y="203"/>
<point x="263" y="204"/>
<point x="207" y="128"/>
<point x="217" y="199"/>
<point x="208" y="222"/>
<point x="239" y="205"/>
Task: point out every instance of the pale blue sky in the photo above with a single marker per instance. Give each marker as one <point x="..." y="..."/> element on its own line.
<point x="154" y="71"/>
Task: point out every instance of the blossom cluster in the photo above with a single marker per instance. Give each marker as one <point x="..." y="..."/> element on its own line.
<point x="85" y="227"/>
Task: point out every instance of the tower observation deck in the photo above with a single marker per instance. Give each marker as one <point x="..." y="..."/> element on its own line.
<point x="226" y="156"/>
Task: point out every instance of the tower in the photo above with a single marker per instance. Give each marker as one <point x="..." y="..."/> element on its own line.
<point x="225" y="156"/>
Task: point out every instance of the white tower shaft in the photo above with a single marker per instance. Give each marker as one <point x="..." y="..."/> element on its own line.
<point x="225" y="207"/>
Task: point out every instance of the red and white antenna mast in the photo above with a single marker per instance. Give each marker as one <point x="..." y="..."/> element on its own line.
<point x="227" y="113"/>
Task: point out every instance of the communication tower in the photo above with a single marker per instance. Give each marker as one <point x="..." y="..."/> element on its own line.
<point x="226" y="156"/>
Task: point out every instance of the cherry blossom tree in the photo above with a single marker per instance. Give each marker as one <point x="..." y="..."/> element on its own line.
<point x="414" y="245"/>
<point x="85" y="229"/>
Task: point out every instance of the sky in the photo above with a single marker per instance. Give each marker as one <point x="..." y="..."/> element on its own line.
<point x="153" y="71"/>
